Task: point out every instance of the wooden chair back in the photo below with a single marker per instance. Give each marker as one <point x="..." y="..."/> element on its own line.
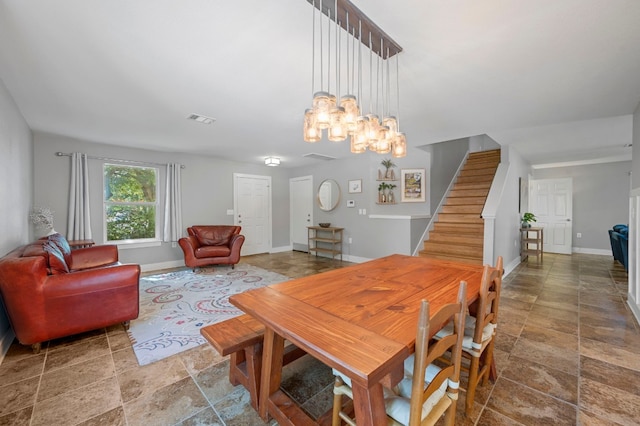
<point x="426" y="354"/>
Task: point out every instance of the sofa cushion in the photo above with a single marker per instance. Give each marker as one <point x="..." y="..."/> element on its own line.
<point x="218" y="235"/>
<point x="212" y="251"/>
<point x="56" y="262"/>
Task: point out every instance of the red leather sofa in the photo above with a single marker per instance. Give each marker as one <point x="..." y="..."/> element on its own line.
<point x="212" y="245"/>
<point x="50" y="291"/>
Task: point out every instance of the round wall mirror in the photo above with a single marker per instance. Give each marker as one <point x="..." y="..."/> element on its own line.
<point x="328" y="195"/>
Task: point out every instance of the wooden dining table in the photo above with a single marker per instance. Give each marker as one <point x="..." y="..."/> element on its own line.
<point x="360" y="320"/>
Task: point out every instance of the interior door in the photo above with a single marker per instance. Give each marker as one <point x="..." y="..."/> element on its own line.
<point x="301" y="210"/>
<point x="252" y="207"/>
<point x="551" y="202"/>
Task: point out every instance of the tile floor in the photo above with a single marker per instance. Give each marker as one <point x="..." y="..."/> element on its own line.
<point x="568" y="352"/>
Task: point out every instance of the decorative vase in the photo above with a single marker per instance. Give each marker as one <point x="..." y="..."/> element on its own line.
<point x="390" y="197"/>
<point x="380" y="175"/>
<point x="387" y="174"/>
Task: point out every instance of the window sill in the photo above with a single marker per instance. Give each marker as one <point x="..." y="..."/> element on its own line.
<point x="135" y="244"/>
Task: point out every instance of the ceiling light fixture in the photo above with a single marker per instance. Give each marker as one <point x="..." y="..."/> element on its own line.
<point x="345" y="118"/>
<point x="272" y="161"/>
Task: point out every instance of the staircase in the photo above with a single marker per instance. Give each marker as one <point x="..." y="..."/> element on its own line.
<point x="459" y="232"/>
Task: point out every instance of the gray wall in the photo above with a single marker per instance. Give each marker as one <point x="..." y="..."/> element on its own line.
<point x="16" y="188"/>
<point x="507" y="224"/>
<point x="600" y="200"/>
<point x="207" y="185"/>
<point x="445" y="160"/>
<point x="400" y="226"/>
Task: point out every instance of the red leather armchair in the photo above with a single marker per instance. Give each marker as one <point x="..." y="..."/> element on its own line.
<point x="50" y="291"/>
<point x="212" y="245"/>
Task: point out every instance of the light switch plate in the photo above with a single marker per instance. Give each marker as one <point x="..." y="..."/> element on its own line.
<point x="351" y="203"/>
<point x="229" y="212"/>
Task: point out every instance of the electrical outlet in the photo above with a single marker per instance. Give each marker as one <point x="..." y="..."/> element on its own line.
<point x="350" y="240"/>
<point x="579" y="235"/>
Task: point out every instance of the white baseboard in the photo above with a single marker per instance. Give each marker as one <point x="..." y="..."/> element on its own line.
<point x="5" y="343"/>
<point x="512" y="265"/>
<point x="162" y="265"/>
<point x="633" y="305"/>
<point x="281" y="249"/>
<point x="600" y="252"/>
<point x="355" y="259"/>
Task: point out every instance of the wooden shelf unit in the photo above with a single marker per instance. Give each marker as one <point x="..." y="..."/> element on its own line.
<point x="526" y="238"/>
<point x="330" y="240"/>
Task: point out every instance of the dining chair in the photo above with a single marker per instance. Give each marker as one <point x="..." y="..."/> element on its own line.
<point x="480" y="332"/>
<point x="427" y="391"/>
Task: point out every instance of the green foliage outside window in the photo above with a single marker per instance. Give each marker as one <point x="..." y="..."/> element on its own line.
<point x="130" y="202"/>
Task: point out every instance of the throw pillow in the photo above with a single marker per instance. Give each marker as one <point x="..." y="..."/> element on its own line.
<point x="57" y="264"/>
<point x="62" y="243"/>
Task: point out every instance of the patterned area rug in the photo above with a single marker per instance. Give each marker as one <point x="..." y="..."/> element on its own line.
<point x="176" y="305"/>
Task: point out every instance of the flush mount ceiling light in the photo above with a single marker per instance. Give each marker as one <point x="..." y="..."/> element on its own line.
<point x="272" y="161"/>
<point x="342" y="114"/>
<point x="201" y="118"/>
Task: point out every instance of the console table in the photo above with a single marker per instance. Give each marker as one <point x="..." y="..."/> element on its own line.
<point x="325" y="240"/>
<point x="531" y="236"/>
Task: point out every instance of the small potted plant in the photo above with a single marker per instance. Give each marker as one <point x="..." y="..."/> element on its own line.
<point x="527" y="218"/>
<point x="382" y="197"/>
<point x="390" y="196"/>
<point x="388" y="164"/>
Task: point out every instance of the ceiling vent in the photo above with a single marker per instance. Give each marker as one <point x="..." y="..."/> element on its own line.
<point x="316" y="156"/>
<point x="201" y="118"/>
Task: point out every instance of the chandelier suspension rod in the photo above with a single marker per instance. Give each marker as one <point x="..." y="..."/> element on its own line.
<point x="313" y="51"/>
<point x="368" y="26"/>
<point x="397" y="93"/>
<point x="337" y="56"/>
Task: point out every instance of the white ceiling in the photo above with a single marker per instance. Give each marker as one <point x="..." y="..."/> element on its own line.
<point x="556" y="79"/>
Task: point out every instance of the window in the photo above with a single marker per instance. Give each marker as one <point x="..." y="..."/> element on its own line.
<point x="130" y="203"/>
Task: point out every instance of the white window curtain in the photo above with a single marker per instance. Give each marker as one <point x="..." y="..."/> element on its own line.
<point x="79" y="223"/>
<point x="173" y="204"/>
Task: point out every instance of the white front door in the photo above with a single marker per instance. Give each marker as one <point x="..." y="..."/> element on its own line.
<point x="252" y="206"/>
<point x="301" y="210"/>
<point x="551" y="202"/>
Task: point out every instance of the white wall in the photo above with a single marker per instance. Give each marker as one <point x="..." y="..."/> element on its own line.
<point x="16" y="188"/>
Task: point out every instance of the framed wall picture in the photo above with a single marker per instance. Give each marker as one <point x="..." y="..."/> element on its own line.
<point x="412" y="183"/>
<point x="355" y="186"/>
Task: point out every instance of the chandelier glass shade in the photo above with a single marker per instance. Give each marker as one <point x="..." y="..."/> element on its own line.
<point x="342" y="116"/>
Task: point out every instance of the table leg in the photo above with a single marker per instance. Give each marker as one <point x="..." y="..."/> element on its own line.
<point x="368" y="404"/>
<point x="272" y="353"/>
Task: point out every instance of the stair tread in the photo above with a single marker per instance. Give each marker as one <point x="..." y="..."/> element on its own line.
<point x="474" y="260"/>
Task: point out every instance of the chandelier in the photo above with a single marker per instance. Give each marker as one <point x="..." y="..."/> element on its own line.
<point x="343" y="116"/>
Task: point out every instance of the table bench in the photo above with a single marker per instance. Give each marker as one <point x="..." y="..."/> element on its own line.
<point x="242" y="337"/>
